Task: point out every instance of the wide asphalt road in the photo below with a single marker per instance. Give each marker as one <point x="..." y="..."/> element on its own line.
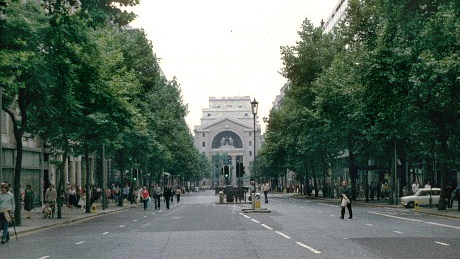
<point x="197" y="227"/>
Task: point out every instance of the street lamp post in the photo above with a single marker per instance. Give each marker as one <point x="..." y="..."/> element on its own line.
<point x="254" y="106"/>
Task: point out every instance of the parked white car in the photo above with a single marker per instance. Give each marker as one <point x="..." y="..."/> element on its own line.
<point x="422" y="197"/>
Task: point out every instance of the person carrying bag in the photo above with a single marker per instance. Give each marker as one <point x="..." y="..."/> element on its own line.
<point x="7" y="206"/>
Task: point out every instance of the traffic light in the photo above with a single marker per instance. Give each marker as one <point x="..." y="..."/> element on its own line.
<point x="226" y="171"/>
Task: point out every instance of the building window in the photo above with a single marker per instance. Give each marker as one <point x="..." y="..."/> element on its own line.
<point x="245" y="115"/>
<point x="250" y="133"/>
<point x="209" y="114"/>
<point x="204" y="144"/>
<point x="250" y="153"/>
<point x="203" y="134"/>
<point x="250" y="143"/>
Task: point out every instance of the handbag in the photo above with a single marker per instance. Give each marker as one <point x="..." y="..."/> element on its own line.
<point x="7" y="216"/>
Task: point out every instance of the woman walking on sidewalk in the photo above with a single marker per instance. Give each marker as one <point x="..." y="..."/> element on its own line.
<point x="28" y="200"/>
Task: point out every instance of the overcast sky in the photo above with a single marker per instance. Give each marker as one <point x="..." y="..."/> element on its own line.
<point x="226" y="47"/>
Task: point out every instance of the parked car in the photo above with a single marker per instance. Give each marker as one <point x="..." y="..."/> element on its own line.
<point x="422" y="197"/>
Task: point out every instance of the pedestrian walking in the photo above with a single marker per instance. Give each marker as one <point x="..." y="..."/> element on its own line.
<point x="157" y="193"/>
<point x="415" y="186"/>
<point x="50" y="199"/>
<point x="126" y="193"/>
<point x="457" y="193"/>
<point x="28" y="200"/>
<point x="346" y="201"/>
<point x="72" y="197"/>
<point x="167" y="196"/>
<point x="82" y="201"/>
<point x="266" y="189"/>
<point x="178" y="191"/>
<point x="172" y="193"/>
<point x="145" y="196"/>
<point x="7" y="206"/>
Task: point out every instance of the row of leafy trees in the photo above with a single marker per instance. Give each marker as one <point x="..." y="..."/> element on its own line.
<point x="73" y="74"/>
<point x="384" y="86"/>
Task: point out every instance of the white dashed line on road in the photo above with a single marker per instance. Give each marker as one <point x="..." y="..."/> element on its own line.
<point x="105" y="233"/>
<point x="255" y="221"/>
<point x="370" y="225"/>
<point x="145" y="216"/>
<point x="309" y="248"/>
<point x="283" y="235"/>
<point x="441" y="243"/>
<point x="267" y="227"/>
<point x="122" y="226"/>
<point x="135" y="220"/>
<point x="44" y="257"/>
<point x="413" y="220"/>
<point x="399" y="232"/>
<point x="79" y="243"/>
<point x="245" y="216"/>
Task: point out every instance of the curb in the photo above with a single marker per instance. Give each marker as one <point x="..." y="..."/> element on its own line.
<point x="69" y="221"/>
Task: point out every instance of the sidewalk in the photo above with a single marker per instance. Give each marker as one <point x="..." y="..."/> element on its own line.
<point x="38" y="222"/>
<point x="450" y="212"/>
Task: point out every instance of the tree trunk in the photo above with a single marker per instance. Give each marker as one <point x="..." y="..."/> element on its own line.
<point x="60" y="190"/>
<point x="352" y="168"/>
<point x="88" y="181"/>
<point x="18" y="130"/>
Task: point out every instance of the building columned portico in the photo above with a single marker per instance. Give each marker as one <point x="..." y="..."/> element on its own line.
<point x="227" y="128"/>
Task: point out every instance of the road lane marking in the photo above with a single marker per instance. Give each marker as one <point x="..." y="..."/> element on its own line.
<point x="309" y="248"/>
<point x="153" y="213"/>
<point x="122" y="226"/>
<point x="135" y="220"/>
<point x="414" y="220"/>
<point x="105" y="233"/>
<point x="44" y="257"/>
<point x="145" y="216"/>
<point x="245" y="216"/>
<point x="79" y="243"/>
<point x="399" y="232"/>
<point x="370" y="225"/>
<point x="283" y="235"/>
<point x="441" y="243"/>
<point x="255" y="221"/>
<point x="267" y="227"/>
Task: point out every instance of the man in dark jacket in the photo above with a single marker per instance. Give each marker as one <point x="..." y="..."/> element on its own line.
<point x="167" y="196"/>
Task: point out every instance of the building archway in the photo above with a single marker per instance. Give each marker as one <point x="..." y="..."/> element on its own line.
<point x="227" y="139"/>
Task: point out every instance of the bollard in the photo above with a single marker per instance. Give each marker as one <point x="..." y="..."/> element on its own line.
<point x="417" y="205"/>
<point x="257" y="201"/>
<point x="221" y="197"/>
<point x="94" y="208"/>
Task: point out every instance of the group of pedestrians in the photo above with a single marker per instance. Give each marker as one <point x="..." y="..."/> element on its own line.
<point x="168" y="193"/>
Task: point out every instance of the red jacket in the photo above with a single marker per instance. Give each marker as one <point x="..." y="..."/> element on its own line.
<point x="145" y="194"/>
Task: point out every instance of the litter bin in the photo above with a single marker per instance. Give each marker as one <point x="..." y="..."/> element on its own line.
<point x="221" y="197"/>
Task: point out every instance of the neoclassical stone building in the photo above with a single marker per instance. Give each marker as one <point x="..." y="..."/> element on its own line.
<point x="227" y="127"/>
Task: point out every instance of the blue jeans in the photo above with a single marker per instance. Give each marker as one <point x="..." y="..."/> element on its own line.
<point x="6" y="233"/>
